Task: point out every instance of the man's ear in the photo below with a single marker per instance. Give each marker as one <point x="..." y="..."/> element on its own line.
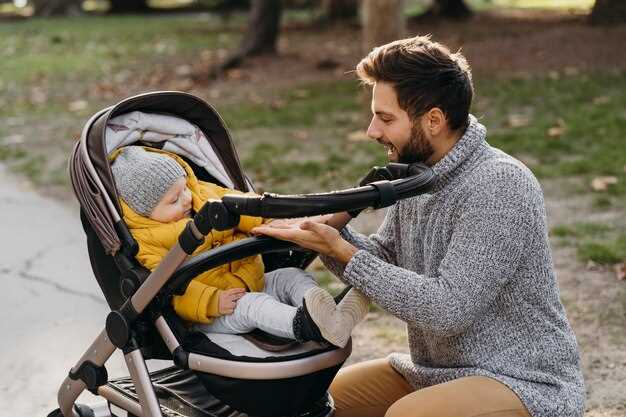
<point x="435" y="121"/>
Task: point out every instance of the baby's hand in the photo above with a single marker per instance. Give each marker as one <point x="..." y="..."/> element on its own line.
<point x="228" y="300"/>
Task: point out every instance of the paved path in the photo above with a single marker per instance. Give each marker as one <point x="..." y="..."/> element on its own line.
<point x="51" y="307"/>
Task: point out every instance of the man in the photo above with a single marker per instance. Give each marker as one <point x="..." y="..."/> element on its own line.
<point x="467" y="267"/>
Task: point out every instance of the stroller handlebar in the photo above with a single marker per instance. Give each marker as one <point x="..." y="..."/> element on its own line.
<point x="382" y="187"/>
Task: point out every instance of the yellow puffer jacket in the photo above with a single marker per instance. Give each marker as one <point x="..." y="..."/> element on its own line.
<point x="199" y="303"/>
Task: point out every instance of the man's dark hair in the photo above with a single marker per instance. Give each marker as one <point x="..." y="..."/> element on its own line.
<point x="424" y="74"/>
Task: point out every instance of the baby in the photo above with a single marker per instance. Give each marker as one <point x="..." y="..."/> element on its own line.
<point x="159" y="193"/>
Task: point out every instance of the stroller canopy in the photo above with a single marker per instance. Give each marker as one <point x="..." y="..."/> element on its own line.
<point x="90" y="171"/>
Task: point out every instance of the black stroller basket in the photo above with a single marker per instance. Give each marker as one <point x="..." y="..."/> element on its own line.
<point x="207" y="379"/>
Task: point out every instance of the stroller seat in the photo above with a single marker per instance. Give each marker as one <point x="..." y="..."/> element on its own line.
<point x="213" y="375"/>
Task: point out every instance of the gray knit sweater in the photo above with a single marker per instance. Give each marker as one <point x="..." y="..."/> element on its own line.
<point x="469" y="269"/>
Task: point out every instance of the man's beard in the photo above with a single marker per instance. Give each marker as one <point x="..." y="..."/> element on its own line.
<point x="417" y="149"/>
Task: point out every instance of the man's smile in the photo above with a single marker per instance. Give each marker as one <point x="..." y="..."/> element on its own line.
<point x="389" y="146"/>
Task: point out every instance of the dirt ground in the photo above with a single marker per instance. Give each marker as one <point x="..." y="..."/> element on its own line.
<point x="501" y="44"/>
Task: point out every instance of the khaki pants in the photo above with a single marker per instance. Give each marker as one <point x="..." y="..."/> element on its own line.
<point x="375" y="389"/>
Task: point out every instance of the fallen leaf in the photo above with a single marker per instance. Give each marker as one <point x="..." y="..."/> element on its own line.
<point x="601" y="100"/>
<point x="255" y="98"/>
<point x="278" y="104"/>
<point x="77" y="106"/>
<point x="206" y="54"/>
<point x="183" y="70"/>
<point x="358" y="136"/>
<point x="302" y="93"/>
<point x="557" y="130"/>
<point x="185" y="84"/>
<point x="620" y="271"/>
<point x="234" y="74"/>
<point x="301" y="134"/>
<point x="603" y="183"/>
<point x="160" y="47"/>
<point x="38" y="96"/>
<point x="554" y="75"/>
<point x="518" y="120"/>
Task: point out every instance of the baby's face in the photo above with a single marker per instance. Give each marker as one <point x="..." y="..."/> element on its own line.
<point x="175" y="203"/>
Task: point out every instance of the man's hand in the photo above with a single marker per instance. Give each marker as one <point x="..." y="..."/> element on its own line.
<point x="319" y="237"/>
<point x="296" y="222"/>
<point x="228" y="300"/>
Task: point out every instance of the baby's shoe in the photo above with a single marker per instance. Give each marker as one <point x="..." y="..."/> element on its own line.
<point x="320" y="319"/>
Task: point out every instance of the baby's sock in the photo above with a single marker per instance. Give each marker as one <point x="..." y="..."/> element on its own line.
<point x="320" y="319"/>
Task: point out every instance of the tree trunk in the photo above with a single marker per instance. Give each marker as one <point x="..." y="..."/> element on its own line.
<point x="339" y="9"/>
<point x="453" y="9"/>
<point x="47" y="8"/>
<point x="446" y="9"/>
<point x="383" y="22"/>
<point x="128" y="6"/>
<point x="263" y="28"/>
<point x="261" y="36"/>
<point x="608" y="12"/>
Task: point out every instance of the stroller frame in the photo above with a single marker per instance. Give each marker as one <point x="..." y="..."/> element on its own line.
<point x="384" y="187"/>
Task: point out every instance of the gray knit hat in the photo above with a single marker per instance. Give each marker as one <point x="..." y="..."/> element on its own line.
<point x="142" y="177"/>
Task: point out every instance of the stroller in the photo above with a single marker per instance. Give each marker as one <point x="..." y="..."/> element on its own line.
<point x="212" y="376"/>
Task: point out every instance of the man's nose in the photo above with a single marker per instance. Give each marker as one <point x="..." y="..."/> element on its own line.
<point x="373" y="131"/>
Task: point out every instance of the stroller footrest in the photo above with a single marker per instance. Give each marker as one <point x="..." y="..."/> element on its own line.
<point x="181" y="394"/>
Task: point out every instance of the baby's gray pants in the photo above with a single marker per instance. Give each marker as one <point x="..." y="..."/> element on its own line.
<point x="272" y="310"/>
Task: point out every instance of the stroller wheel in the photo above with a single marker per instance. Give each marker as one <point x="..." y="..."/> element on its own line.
<point x="86" y="411"/>
<point x="56" y="413"/>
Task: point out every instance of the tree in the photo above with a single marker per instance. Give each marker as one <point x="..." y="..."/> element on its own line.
<point x="608" y="12"/>
<point x="57" y="7"/>
<point x="447" y="9"/>
<point x="340" y="9"/>
<point x="383" y="22"/>
<point x="455" y="9"/>
<point x="128" y="6"/>
<point x="260" y="38"/>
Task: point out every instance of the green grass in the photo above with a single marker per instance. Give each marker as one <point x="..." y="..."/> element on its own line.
<point x="581" y="230"/>
<point x="89" y="47"/>
<point x="590" y="108"/>
<point x="606" y="252"/>
<point x="532" y="4"/>
<point x="417" y="7"/>
<point x="597" y="242"/>
<point x="303" y="106"/>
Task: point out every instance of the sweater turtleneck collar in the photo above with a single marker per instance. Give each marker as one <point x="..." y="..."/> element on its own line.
<point x="453" y="163"/>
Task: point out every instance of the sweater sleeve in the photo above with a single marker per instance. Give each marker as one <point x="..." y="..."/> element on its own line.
<point x="381" y="244"/>
<point x="494" y="225"/>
